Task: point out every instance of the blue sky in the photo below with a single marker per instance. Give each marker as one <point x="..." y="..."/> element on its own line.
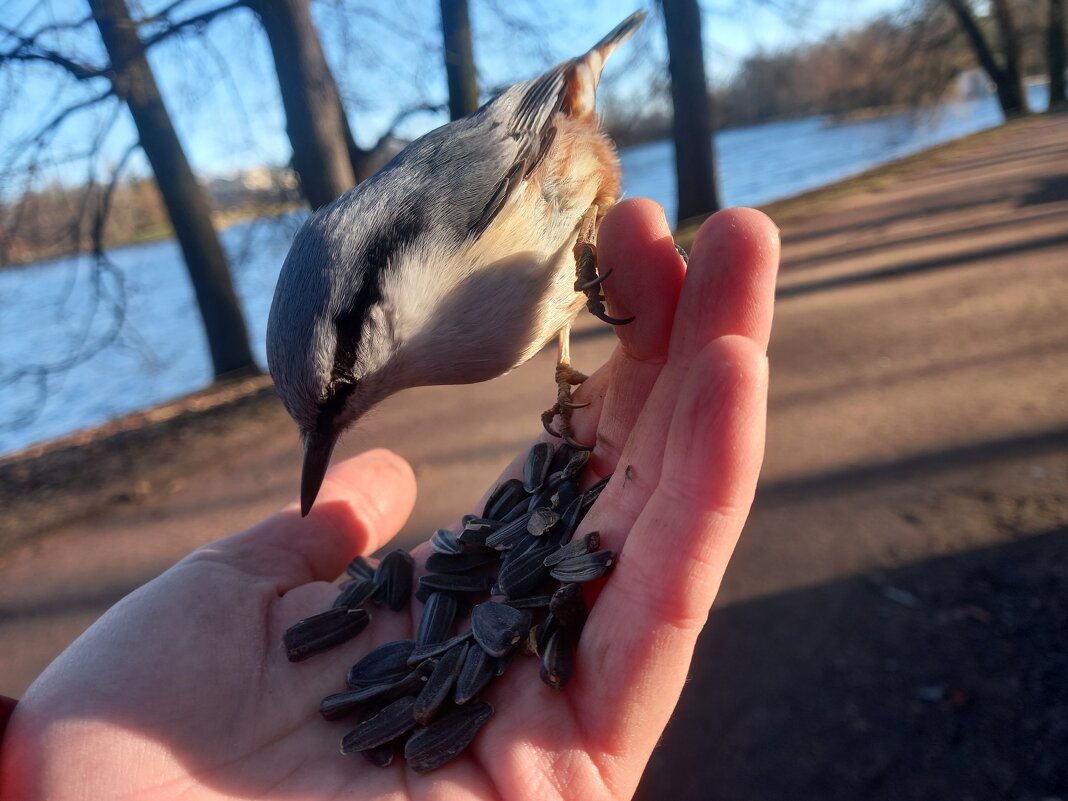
<point x="224" y="99"/>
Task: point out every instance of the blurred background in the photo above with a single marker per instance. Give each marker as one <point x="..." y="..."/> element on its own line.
<point x="893" y="624"/>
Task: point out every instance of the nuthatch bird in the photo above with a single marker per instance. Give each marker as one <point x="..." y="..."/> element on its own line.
<point x="455" y="263"/>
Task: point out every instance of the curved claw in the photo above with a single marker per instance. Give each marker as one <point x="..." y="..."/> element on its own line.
<point x="682" y="252"/>
<point x="578" y="446"/>
<point x="593" y="282"/>
<point x="600" y="314"/>
<point x="547" y="422"/>
<point x="570" y="405"/>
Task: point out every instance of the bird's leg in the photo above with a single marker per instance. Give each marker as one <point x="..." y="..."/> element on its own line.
<point x="587" y="280"/>
<point x="566" y="377"/>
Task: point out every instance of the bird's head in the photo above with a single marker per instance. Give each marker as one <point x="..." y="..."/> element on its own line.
<point x="329" y="341"/>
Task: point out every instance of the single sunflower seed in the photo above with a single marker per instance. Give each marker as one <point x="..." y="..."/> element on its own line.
<point x="587" y="567"/>
<point x="504" y="498"/>
<point x="322" y="631"/>
<point x="434" y="745"/>
<point x="355" y="593"/>
<point x="471" y="559"/>
<point x="389" y="724"/>
<point x="557" y="660"/>
<point x="498" y="628"/>
<point x="393" y="579"/>
<point x="525" y="573"/>
<point x="536" y="467"/>
<point x="542" y="521"/>
<point x="584" y="545"/>
<point x="343" y="704"/>
<point x="439" y="685"/>
<point x="569" y="607"/>
<point x="478" y="668"/>
<point x="530" y="602"/>
<point x="439" y="614"/>
<point x="424" y="652"/>
<point x="449" y="582"/>
<point x="444" y="541"/>
<point x="510" y="535"/>
<point x="385" y="664"/>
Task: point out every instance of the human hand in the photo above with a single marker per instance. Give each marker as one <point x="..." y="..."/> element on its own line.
<point x="183" y="689"/>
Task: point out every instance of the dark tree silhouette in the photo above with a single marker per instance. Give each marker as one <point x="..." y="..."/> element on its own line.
<point x="187" y="206"/>
<point x="1003" y="71"/>
<point x="459" y="58"/>
<point x="1055" y="55"/>
<point x="694" y="158"/>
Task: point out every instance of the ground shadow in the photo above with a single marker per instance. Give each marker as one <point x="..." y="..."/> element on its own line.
<point x="942" y="679"/>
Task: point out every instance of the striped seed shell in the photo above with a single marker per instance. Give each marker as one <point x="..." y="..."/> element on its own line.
<point x="498" y="628"/>
<point x="558" y="660"/>
<point x="504" y="498"/>
<point x="362" y="568"/>
<point x="525" y="574"/>
<point x="322" y="631"/>
<point x="587" y="567"/>
<point x="343" y="704"/>
<point x="439" y="614"/>
<point x="584" y="545"/>
<point x="444" y="541"/>
<point x="474" y="557"/>
<point x="530" y="602"/>
<point x="393" y="579"/>
<point x="541" y="498"/>
<point x="355" y="593"/>
<point x="431" y="747"/>
<point x="438" y="687"/>
<point x="536" y="467"/>
<point x="386" y="663"/>
<point x="549" y="627"/>
<point x="510" y="535"/>
<point x="541" y="521"/>
<point x="576" y="463"/>
<point x="449" y="582"/>
<point x="423" y="652"/>
<point x="569" y="607"/>
<point x="478" y="668"/>
<point x="390" y="723"/>
<point x="564" y="494"/>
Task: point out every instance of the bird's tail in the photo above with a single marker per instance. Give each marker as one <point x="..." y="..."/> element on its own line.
<point x="587" y="71"/>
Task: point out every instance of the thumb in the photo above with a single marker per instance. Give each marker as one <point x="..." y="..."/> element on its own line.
<point x="363" y="503"/>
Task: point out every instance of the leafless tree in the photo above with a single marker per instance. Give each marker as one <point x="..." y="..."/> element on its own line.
<point x="459" y="58"/>
<point x="1055" y="55"/>
<point x="1003" y="68"/>
<point x="694" y="160"/>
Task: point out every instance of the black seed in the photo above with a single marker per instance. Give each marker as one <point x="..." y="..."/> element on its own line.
<point x="386" y="663"/>
<point x="584" y="568"/>
<point x="530" y="602"/>
<point x="594" y="492"/>
<point x="541" y="521"/>
<point x="541" y="498"/>
<point x="340" y="705"/>
<point x="390" y="723"/>
<point x="439" y="686"/>
<point x="322" y="631"/>
<point x="431" y="747"/>
<point x="564" y="494"/>
<point x="448" y="582"/>
<point x="438" y="616"/>
<point x="508" y="536"/>
<point x="584" y="545"/>
<point x="498" y="628"/>
<point x="557" y="660"/>
<point x="361" y="568"/>
<point x="504" y="661"/>
<point x="355" y="593"/>
<point x="444" y="541"/>
<point x="381" y="756"/>
<point x="474" y="557"/>
<point x="548" y="628"/>
<point x="421" y="653"/>
<point x="576" y="463"/>
<point x="479" y="667"/>
<point x="504" y="498"/>
<point x="569" y="607"/>
<point x="525" y="574"/>
<point x="536" y="467"/>
<point x="393" y="579"/>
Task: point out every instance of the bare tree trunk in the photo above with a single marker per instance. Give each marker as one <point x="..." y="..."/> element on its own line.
<point x="315" y="119"/>
<point x="186" y="203"/>
<point x="694" y="158"/>
<point x="1055" y="54"/>
<point x="1007" y="79"/>
<point x="459" y="58"/>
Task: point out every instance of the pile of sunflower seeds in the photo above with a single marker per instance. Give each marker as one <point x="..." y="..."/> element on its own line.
<point x="512" y="576"/>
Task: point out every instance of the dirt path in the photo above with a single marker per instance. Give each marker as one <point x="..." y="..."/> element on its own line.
<point x="892" y="624"/>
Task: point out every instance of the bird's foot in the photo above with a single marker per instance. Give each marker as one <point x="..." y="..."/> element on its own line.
<point x="566" y="377"/>
<point x="589" y="282"/>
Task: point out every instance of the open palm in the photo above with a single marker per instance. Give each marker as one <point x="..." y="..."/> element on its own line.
<point x="183" y="690"/>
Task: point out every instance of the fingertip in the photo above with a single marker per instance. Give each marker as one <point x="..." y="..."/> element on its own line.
<point x="635" y="242"/>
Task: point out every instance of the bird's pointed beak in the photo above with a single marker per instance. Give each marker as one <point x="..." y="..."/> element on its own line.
<point x="318" y="446"/>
